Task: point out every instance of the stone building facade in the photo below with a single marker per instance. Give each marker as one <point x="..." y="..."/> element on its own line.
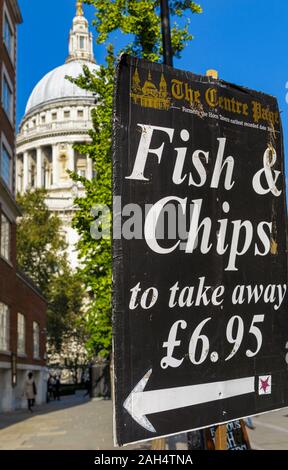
<point x="22" y="307"/>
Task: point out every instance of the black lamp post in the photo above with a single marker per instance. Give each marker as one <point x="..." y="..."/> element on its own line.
<point x="166" y="33"/>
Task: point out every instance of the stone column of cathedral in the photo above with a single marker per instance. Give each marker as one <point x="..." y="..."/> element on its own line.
<point x="25" y="171"/>
<point x="71" y="158"/>
<point x="89" y="168"/>
<point x="55" y="165"/>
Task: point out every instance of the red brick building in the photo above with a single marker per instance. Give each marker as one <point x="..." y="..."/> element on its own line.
<point x="22" y="307"/>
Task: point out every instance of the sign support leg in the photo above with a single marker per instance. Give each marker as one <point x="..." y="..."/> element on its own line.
<point x="245" y="434"/>
<point x="221" y="438"/>
<point x="158" y="444"/>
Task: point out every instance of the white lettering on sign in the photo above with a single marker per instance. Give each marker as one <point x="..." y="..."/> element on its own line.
<point x="244" y="237"/>
<point x="269" y="160"/>
<point x="199" y="344"/>
<point x="148" y="298"/>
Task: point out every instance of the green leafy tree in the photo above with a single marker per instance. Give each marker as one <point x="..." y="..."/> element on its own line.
<point x="65" y="309"/>
<point x="139" y="20"/>
<point x="41" y="255"/>
<point x="96" y="272"/>
<point x="66" y="325"/>
<point x="39" y="240"/>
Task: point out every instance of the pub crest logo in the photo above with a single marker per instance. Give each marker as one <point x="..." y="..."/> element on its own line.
<point x="149" y="95"/>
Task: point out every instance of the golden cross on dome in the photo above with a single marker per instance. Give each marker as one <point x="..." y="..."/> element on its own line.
<point x="79" y="7"/>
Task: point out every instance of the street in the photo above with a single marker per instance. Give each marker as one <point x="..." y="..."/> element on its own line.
<point x="271" y="431"/>
<point x="77" y="423"/>
<point x="73" y="423"/>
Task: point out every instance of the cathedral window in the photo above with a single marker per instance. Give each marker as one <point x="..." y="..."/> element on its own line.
<point x="81" y="166"/>
<point x="81" y="172"/>
<point x="33" y="176"/>
<point x="82" y="42"/>
<point x="66" y="114"/>
<point x="80" y="113"/>
<point x="54" y="116"/>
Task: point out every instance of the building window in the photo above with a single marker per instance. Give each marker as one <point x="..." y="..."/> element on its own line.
<point x="6" y="166"/>
<point x="43" y="119"/>
<point x="81" y="166"/>
<point x="36" y="340"/>
<point x="66" y="114"/>
<point x="20" y="180"/>
<point x="5" y="238"/>
<point x="54" y="116"/>
<point x="81" y="172"/>
<point x="21" y="327"/>
<point x="82" y="42"/>
<point x="80" y="113"/>
<point x="7" y="96"/>
<point x="4" y="327"/>
<point x="8" y="37"/>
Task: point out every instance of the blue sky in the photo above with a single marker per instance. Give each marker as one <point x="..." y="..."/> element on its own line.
<point x="245" y="40"/>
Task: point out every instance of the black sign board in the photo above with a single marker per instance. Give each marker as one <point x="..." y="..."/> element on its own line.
<point x="199" y="252"/>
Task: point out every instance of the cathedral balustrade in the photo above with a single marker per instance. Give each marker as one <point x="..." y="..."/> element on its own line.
<point x="43" y="129"/>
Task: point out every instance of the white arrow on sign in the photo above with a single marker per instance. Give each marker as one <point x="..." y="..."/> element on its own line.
<point x="140" y="403"/>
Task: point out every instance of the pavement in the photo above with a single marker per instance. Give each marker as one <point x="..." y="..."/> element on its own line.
<point x="78" y="423"/>
<point x="271" y="431"/>
<point x="73" y="423"/>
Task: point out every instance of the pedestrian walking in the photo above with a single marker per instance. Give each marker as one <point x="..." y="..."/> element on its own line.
<point x="88" y="380"/>
<point x="30" y="391"/>
<point x="107" y="380"/>
<point x="57" y="387"/>
<point x="87" y="387"/>
<point x="249" y="423"/>
<point x="50" y="384"/>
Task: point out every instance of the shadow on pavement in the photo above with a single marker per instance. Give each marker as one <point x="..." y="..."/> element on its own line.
<point x="69" y="401"/>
